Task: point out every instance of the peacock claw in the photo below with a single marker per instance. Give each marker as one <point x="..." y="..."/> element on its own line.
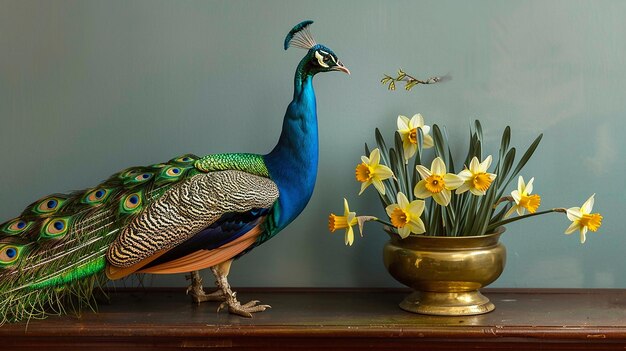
<point x="198" y="295"/>
<point x="245" y="310"/>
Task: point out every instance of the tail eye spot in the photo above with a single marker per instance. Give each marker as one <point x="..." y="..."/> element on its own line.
<point x="11" y="252"/>
<point x="59" y="225"/>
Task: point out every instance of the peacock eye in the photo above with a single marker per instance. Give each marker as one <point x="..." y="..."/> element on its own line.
<point x="9" y="254"/>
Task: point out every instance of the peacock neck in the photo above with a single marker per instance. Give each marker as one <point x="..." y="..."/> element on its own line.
<point x="292" y="164"/>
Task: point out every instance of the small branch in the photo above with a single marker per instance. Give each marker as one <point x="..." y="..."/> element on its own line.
<point x="503" y="199"/>
<point x="410" y="81"/>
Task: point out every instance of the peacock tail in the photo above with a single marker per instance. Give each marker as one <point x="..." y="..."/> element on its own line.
<point x="53" y="255"/>
<point x="186" y="214"/>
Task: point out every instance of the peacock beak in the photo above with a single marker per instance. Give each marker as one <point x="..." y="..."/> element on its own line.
<point x="340" y="67"/>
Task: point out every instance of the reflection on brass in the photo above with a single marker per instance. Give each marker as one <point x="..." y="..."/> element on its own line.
<point x="446" y="272"/>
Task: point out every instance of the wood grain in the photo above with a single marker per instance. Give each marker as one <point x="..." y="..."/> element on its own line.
<point x="333" y="319"/>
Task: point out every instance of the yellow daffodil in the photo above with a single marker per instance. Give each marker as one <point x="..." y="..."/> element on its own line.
<point x="523" y="200"/>
<point x="436" y="182"/>
<point x="408" y="131"/>
<point x="583" y="220"/>
<point x="476" y="179"/>
<point x="406" y="216"/>
<point x="370" y="171"/>
<point x="343" y="222"/>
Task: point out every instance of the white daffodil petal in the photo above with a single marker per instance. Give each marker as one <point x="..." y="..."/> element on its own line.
<point x="574" y="214"/>
<point x="351" y="217"/>
<point x="402" y="122"/>
<point x="423" y="171"/>
<point x="379" y="186"/>
<point x="588" y="205"/>
<point x="529" y="187"/>
<point x="572" y="228"/>
<point x="389" y="209"/>
<point x="510" y="211"/>
<point x="521" y="210"/>
<point x="404" y="232"/>
<point x="415" y="227"/>
<point x="409" y="150"/>
<point x="520" y="184"/>
<point x="420" y="190"/>
<point x="417" y="120"/>
<point x="438" y="167"/>
<point x="474" y="166"/>
<point x="428" y="141"/>
<point x="516" y="196"/>
<point x="374" y="157"/>
<point x="365" y="160"/>
<point x="425" y="129"/>
<point x="416" y="208"/>
<point x="484" y="166"/>
<point x="452" y="181"/>
<point x="463" y="188"/>
<point x="346" y="209"/>
<point x="364" y="186"/>
<point x="383" y="172"/>
<point x="583" y="234"/>
<point x="403" y="202"/>
<point x="465" y="174"/>
<point x="476" y="191"/>
<point x="349" y="239"/>
<point x="442" y="197"/>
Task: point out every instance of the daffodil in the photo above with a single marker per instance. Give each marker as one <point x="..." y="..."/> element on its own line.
<point x="436" y="182"/>
<point x="408" y="131"/>
<point x="343" y="222"/>
<point x="405" y="216"/>
<point x="523" y="200"/>
<point x="583" y="220"/>
<point x="476" y="179"/>
<point x="370" y="171"/>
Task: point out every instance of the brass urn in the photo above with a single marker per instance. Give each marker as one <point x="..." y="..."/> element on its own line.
<point x="446" y="272"/>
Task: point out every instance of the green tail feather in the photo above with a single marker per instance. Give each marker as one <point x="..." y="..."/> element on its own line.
<point x="52" y="256"/>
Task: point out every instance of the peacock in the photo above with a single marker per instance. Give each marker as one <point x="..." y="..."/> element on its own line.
<point x="181" y="216"/>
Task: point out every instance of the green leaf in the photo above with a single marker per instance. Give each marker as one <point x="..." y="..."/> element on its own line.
<point x="479" y="129"/>
<point x="522" y="162"/>
<point x="382" y="146"/>
<point x="440" y="145"/>
<point x="410" y="85"/>
<point x="393" y="158"/>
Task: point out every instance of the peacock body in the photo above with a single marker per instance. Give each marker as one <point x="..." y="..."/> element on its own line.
<point x="184" y="215"/>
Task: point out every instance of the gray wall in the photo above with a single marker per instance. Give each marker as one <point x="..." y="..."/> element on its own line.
<point x="91" y="87"/>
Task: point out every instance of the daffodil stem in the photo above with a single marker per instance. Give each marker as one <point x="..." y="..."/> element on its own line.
<point x="383" y="222"/>
<point x="507" y="221"/>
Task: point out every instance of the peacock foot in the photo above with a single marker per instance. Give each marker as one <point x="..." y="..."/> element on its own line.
<point x="245" y="310"/>
<point x="197" y="293"/>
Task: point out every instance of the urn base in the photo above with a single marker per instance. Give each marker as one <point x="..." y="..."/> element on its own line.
<point x="467" y="303"/>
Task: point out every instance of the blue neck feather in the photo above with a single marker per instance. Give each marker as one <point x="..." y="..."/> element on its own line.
<point x="292" y="164"/>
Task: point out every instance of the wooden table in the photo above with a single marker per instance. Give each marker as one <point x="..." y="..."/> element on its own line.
<point x="322" y="319"/>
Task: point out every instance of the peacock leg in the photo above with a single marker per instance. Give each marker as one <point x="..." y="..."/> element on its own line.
<point x="197" y="291"/>
<point x="234" y="306"/>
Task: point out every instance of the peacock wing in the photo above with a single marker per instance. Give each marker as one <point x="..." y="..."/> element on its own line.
<point x="186" y="210"/>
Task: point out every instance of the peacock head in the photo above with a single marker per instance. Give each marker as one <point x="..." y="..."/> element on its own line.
<point x="319" y="58"/>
